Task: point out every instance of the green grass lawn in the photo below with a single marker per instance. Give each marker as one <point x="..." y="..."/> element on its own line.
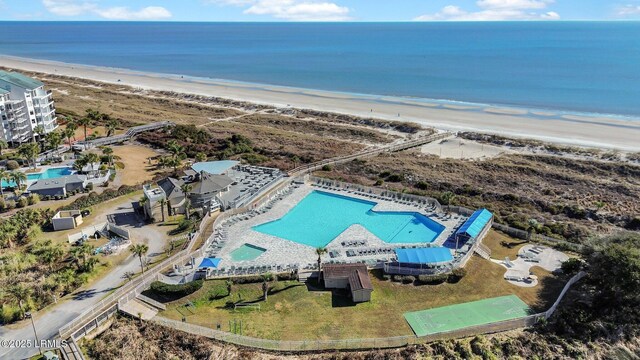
<point x="293" y="312"/>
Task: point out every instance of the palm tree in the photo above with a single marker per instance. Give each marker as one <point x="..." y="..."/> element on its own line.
<point x="4" y="175"/>
<point x="3" y="145"/>
<point x="73" y="126"/>
<point x="320" y="251"/>
<point x="29" y="152"/>
<point x="68" y="133"/>
<point x="18" y="177"/>
<point x="108" y="152"/>
<point x="229" y="284"/>
<point x="186" y="188"/>
<point x="53" y="140"/>
<point x="143" y="200"/>
<point x="140" y="250"/>
<point x="20" y="294"/>
<point x="265" y="285"/>
<point x="111" y="126"/>
<point x="38" y="130"/>
<point x="84" y="122"/>
<point x="163" y="203"/>
<point x="200" y="157"/>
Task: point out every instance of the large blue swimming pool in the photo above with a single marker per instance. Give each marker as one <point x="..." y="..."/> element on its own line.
<point x="50" y="173"/>
<point x="320" y="217"/>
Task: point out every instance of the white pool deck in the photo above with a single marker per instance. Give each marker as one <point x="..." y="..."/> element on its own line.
<point x="282" y="252"/>
<point x="546" y="258"/>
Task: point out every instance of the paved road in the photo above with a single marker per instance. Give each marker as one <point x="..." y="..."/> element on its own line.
<point x="48" y="323"/>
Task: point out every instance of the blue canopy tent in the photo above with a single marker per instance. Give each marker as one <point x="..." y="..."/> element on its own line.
<point x="209" y="263"/>
<point x="424" y="256"/>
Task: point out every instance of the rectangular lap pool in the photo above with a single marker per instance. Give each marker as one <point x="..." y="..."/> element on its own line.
<point x="246" y="252"/>
<point x="320" y="217"/>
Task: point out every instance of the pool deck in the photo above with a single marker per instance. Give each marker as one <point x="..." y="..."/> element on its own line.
<point x="285" y="252"/>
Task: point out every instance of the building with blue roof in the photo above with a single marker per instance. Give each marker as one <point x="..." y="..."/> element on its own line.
<point x="420" y="261"/>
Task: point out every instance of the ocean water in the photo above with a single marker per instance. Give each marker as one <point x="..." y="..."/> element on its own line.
<point x="591" y="67"/>
<point x="320" y="217"/>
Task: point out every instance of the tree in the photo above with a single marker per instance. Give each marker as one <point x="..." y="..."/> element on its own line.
<point x="266" y="278"/>
<point x="533" y="226"/>
<point x="108" y="152"/>
<point x="447" y="197"/>
<point x="4" y="175"/>
<point x="29" y="152"/>
<point x="38" y="130"/>
<point x="200" y="157"/>
<point x="21" y="294"/>
<point x="84" y="122"/>
<point x="73" y="126"/>
<point x="111" y="125"/>
<point x="68" y="133"/>
<point x="320" y="251"/>
<point x="53" y="140"/>
<point x="186" y="189"/>
<point x="3" y="145"/>
<point x="229" y="284"/>
<point x="19" y="178"/>
<point x="140" y="250"/>
<point x="163" y="203"/>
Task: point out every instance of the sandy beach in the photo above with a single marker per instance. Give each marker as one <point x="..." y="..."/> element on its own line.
<point x="602" y="132"/>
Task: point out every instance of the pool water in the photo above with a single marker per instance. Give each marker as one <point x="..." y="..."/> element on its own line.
<point x="246" y="252"/>
<point x="50" y="173"/>
<point x="320" y="217"/>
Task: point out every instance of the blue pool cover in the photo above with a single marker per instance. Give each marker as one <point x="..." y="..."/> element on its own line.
<point x="474" y="225"/>
<point x="432" y="255"/>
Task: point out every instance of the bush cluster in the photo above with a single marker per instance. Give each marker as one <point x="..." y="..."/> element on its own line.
<point x="94" y="198"/>
<point x="177" y="289"/>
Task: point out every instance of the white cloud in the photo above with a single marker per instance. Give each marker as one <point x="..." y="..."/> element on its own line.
<point x="68" y="7"/>
<point x="295" y="10"/>
<point x="76" y="8"/>
<point x="124" y="13"/>
<point x="495" y="10"/>
<point x="628" y="10"/>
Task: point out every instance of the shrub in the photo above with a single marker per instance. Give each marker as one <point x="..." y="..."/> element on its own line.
<point x="422" y="185"/>
<point x="408" y="279"/>
<point x="571" y="266"/>
<point x="433" y="279"/>
<point x="34" y="199"/>
<point x="456" y="275"/>
<point x="12" y="165"/>
<point x="395" y="178"/>
<point x="378" y="182"/>
<point x="177" y="289"/>
<point x="386" y="277"/>
<point x="286" y="276"/>
<point x="396" y="278"/>
<point x="251" y="279"/>
<point x="327" y="168"/>
<point x="10" y="205"/>
<point x="22" y="202"/>
<point x="89" y="186"/>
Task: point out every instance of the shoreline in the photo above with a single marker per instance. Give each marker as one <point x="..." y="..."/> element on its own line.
<point x="576" y="129"/>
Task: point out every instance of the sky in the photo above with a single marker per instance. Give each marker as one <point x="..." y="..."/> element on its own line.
<point x="319" y="10"/>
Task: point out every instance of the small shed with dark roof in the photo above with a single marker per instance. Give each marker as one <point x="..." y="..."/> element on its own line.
<point x="353" y="277"/>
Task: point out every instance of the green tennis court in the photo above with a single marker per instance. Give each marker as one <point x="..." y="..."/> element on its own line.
<point x="459" y="316"/>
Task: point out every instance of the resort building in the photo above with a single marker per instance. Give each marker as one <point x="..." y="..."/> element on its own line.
<point x="210" y="186"/>
<point x="24" y="105"/>
<point x="353" y="277"/>
<point x="58" y="187"/>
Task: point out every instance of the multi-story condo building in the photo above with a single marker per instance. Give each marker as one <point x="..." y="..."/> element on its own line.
<point x="24" y="105"/>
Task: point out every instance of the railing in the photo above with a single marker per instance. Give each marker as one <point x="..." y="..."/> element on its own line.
<point x="151" y="302"/>
<point x="87" y="144"/>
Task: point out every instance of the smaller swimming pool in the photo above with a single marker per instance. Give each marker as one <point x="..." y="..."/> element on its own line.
<point x="247" y="252"/>
<point x="51" y="173"/>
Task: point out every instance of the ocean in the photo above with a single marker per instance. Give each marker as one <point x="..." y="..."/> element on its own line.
<point x="586" y="67"/>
